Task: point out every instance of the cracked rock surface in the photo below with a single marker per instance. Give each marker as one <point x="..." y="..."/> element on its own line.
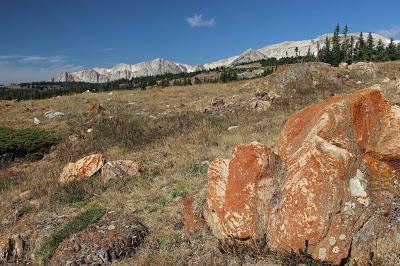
<point x="331" y="191"/>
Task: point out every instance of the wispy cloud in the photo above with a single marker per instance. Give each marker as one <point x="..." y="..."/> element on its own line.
<point x="25" y="59"/>
<point x="21" y="68"/>
<point x="198" y="21"/>
<point x="108" y="49"/>
<point x="393" y="32"/>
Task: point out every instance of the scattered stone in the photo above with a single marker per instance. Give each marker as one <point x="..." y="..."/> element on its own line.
<point x="260" y="94"/>
<point x="359" y="82"/>
<point x="386" y="80"/>
<point x="217" y="101"/>
<point x="96" y="108"/>
<point x="205" y="162"/>
<point x="119" y="168"/>
<point x="232" y="128"/>
<point x="25" y="195"/>
<point x="98" y="244"/>
<point x="344" y="65"/>
<point x="89" y="130"/>
<point x="260" y="105"/>
<point x="272" y="95"/>
<point x="368" y="68"/>
<point x="333" y="187"/>
<point x="84" y="168"/>
<point x="152" y="117"/>
<point x="73" y="137"/>
<point x="52" y="115"/>
<point x="131" y="103"/>
<point x="36" y="121"/>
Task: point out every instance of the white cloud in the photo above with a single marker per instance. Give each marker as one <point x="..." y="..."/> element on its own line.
<point x="198" y="21"/>
<point x="393" y="32"/>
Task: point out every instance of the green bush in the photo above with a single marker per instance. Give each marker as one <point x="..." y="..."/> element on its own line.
<point x="77" y="223"/>
<point x="30" y="142"/>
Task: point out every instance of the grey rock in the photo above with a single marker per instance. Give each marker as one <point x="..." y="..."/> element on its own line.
<point x="52" y="115"/>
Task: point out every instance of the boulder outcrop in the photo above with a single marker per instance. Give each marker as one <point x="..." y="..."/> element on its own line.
<point x="119" y="168"/>
<point x="83" y="168"/>
<point x="332" y="190"/>
<point x="114" y="237"/>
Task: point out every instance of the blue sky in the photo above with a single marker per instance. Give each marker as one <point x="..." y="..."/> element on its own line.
<point x="41" y="37"/>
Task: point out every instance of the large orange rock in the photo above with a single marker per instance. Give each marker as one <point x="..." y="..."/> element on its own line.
<point x="239" y="192"/>
<point x="341" y="160"/>
<point x="85" y="167"/>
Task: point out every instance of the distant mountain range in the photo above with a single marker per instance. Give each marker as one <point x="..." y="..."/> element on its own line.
<point x="161" y="66"/>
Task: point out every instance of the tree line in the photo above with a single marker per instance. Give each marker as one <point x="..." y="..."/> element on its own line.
<point x="344" y="48"/>
<point x="42" y="90"/>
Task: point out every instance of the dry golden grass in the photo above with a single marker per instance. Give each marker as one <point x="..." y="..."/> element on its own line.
<point x="164" y="131"/>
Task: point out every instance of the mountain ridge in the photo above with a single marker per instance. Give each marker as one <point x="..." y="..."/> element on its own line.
<point x="161" y="66"/>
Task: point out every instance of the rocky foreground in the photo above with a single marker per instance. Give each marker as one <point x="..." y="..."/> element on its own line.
<point x="332" y="191"/>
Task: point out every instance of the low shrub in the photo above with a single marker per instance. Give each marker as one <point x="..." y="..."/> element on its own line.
<point x="32" y="143"/>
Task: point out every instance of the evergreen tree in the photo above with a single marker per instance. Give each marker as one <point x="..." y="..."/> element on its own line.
<point x="346" y="44"/>
<point x="336" y="49"/>
<point x="324" y="54"/>
<point x="369" y="55"/>
<point x="359" y="52"/>
<point x="380" y="53"/>
<point x="398" y="51"/>
<point x="351" y="50"/>
<point x="391" y="51"/>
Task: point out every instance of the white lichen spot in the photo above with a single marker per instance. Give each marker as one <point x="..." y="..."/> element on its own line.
<point x="332" y="240"/>
<point x="357" y="186"/>
<point x="342" y="237"/>
<point x="335" y="250"/>
<point x="322" y="253"/>
<point x="348" y="210"/>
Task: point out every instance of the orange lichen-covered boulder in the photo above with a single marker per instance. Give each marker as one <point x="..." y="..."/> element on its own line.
<point x="341" y="162"/>
<point x="85" y="167"/>
<point x="240" y="190"/>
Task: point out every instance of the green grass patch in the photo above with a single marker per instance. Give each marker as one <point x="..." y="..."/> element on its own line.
<point x="29" y="142"/>
<point x="179" y="192"/>
<point x="77" y="223"/>
<point x="166" y="241"/>
<point x="194" y="169"/>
